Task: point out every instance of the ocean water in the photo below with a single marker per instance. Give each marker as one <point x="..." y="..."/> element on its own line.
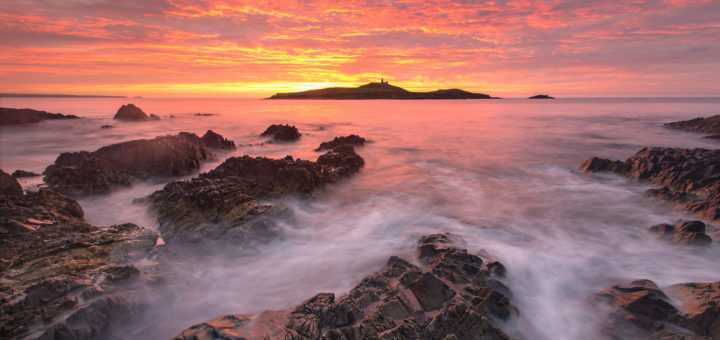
<point x="500" y="173"/>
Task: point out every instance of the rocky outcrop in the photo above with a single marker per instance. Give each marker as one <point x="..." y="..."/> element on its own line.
<point x="222" y="204"/>
<point x="688" y="177"/>
<point x="640" y="310"/>
<point x="28" y="116"/>
<point x="131" y="112"/>
<point x="710" y="125"/>
<point x="381" y="90"/>
<point x="61" y="278"/>
<point x="353" y="140"/>
<point x="215" y="140"/>
<point x="541" y="96"/>
<point x="455" y="295"/>
<point x="686" y="233"/>
<point x="9" y="185"/>
<point x="281" y="133"/>
<point x="22" y="173"/>
<point x="82" y="173"/>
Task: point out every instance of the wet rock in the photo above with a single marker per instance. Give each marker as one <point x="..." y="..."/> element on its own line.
<point x="153" y="117"/>
<point x="130" y="112"/>
<point x="342" y="161"/>
<point x="215" y="140"/>
<point x="401" y="301"/>
<point x="282" y="133"/>
<point x="82" y="173"/>
<point x="9" y="185"/>
<point x="642" y="310"/>
<point x="688" y="177"/>
<point x="353" y="140"/>
<point x="23" y="173"/>
<point x="28" y="116"/>
<point x="64" y="278"/>
<point x="687" y="233"/>
<point x="710" y="125"/>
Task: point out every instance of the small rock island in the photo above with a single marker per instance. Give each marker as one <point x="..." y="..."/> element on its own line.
<point x="541" y="96"/>
<point x="381" y="90"/>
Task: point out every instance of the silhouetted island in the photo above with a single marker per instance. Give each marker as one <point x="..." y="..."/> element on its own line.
<point x="381" y="90"/>
<point x="541" y="96"/>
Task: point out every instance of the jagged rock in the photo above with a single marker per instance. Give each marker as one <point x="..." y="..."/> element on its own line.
<point x="153" y="117"/>
<point x="688" y="233"/>
<point x="215" y="140"/>
<point x="640" y="310"/>
<point x="709" y="125"/>
<point x="222" y="204"/>
<point x="28" y="116"/>
<point x="688" y="177"/>
<point x="353" y="140"/>
<point x="81" y="173"/>
<point x="283" y="133"/>
<point x="130" y="112"/>
<point x="9" y="185"/>
<point x="23" y="173"/>
<point x="453" y="298"/>
<point x="64" y="278"/>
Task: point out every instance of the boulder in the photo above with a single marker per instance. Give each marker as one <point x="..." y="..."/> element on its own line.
<point x="131" y="112"/>
<point x="28" y="116"/>
<point x="353" y="140"/>
<point x="281" y="133"/>
<point x="215" y="140"/>
<point x="153" y="117"/>
<point x="688" y="177"/>
<point x="23" y="173"/>
<point x="710" y="125"/>
<point x="9" y="185"/>
<point x="686" y="233"/>
<point x="452" y="298"/>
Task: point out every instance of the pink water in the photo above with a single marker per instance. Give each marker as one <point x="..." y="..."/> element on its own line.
<point x="501" y="173"/>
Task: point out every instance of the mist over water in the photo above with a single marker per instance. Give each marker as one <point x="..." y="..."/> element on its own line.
<point x="501" y="173"/>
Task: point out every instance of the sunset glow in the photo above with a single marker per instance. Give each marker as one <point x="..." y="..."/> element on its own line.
<point x="256" y="48"/>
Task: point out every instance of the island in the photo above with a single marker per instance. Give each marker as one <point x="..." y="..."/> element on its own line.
<point x="541" y="96"/>
<point x="381" y="90"/>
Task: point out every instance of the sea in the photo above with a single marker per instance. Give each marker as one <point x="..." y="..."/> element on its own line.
<point x="503" y="174"/>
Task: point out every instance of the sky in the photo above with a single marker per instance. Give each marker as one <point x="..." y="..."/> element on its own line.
<point x="228" y="48"/>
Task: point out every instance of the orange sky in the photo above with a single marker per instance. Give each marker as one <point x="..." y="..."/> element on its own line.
<point x="256" y="48"/>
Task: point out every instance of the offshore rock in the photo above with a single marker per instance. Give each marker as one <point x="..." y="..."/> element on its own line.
<point x="60" y="277"/>
<point x="215" y="140"/>
<point x="131" y="112"/>
<point x="282" y="133"/>
<point x="541" y="96"/>
<point x="686" y="233"/>
<point x="10" y="116"/>
<point x="82" y="173"/>
<point x="353" y="140"/>
<point x="688" y="177"/>
<point x="22" y="173"/>
<point x="222" y="204"/>
<point x="640" y="310"/>
<point x="710" y="125"/>
<point x="9" y="185"/>
<point x="457" y="296"/>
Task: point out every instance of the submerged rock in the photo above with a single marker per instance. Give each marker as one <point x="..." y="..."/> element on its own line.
<point x="9" y="185"/>
<point x="131" y="112"/>
<point x="222" y="204"/>
<point x="10" y="116"/>
<point x="710" y="125"/>
<point x="688" y="177"/>
<point x="686" y="233"/>
<point x="215" y="140"/>
<point x="282" y="133"/>
<point x="353" y="140"/>
<point x="456" y="296"/>
<point x="81" y="173"/>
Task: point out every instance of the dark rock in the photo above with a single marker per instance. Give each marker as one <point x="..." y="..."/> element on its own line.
<point x="205" y="114"/>
<point x="81" y="173"/>
<point x="28" y="116"/>
<point x="106" y="126"/>
<point x="354" y="140"/>
<point x="215" y="140"/>
<point x="541" y="96"/>
<point x="130" y="112"/>
<point x="687" y="233"/>
<point x="153" y="117"/>
<point x="342" y="161"/>
<point x="689" y="177"/>
<point x="283" y="133"/>
<point x="9" y="185"/>
<point x="23" y="173"/>
<point x="709" y="125"/>
<point x="401" y="301"/>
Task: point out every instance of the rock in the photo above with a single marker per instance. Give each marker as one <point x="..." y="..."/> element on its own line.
<point x="222" y="205"/>
<point x="153" y="117"/>
<point x="688" y="177"/>
<point x="82" y="173"/>
<point x="710" y="125"/>
<point x="381" y="90"/>
<point x="541" y="96"/>
<point x="282" y="133"/>
<point x="215" y="140"/>
<point x="106" y="126"/>
<point x="641" y="310"/>
<point x="28" y="116"/>
<point x="354" y="140"/>
<point x="64" y="278"/>
<point x="9" y="185"/>
<point x="686" y="233"/>
<point x="453" y="298"/>
<point x="131" y="112"/>
<point x="23" y="173"/>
